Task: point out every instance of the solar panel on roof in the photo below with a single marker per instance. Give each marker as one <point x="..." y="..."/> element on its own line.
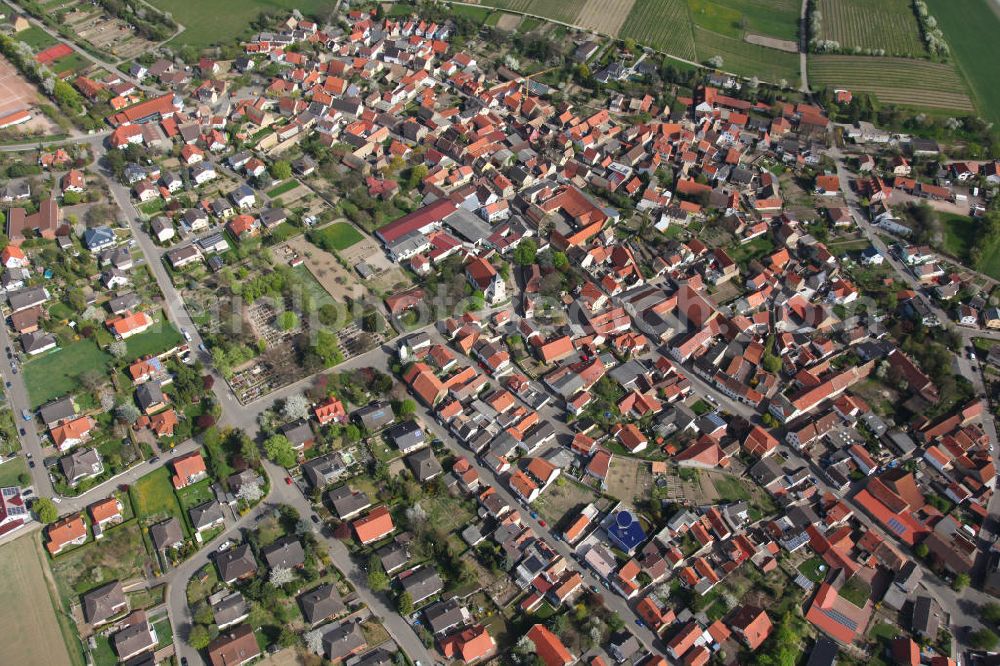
<point x="896" y="526"/>
<point x="841" y="619"/>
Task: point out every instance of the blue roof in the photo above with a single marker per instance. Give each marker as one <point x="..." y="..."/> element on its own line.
<point x="626" y="532"/>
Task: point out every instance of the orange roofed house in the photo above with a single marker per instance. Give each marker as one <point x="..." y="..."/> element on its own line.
<point x="73" y="432"/>
<point x="376" y="525"/>
<point x="835" y="616"/>
<point x="469" y="645"/>
<point x="751" y="624"/>
<point x="548" y="647"/>
<point x="70" y="531"/>
<point x="104" y="512"/>
<point x="330" y="410"/>
<point x="128" y="325"/>
<point x="189" y="469"/>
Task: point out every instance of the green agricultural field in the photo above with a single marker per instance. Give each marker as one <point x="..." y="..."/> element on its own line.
<point x="887" y="24"/>
<point x="772" y="18"/>
<point x="59" y="371"/>
<point x="664" y="25"/>
<point x="971" y="28"/>
<point x="747" y="59"/>
<point x="477" y="14"/>
<point x="208" y="23"/>
<point x="900" y="81"/>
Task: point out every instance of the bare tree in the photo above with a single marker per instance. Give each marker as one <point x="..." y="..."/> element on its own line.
<point x="250" y="492"/>
<point x="118" y="348"/>
<point x="296" y="407"/>
<point x="280" y="576"/>
<point x="314" y="641"/>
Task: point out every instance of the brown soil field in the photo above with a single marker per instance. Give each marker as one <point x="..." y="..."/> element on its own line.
<point x="604" y="16"/>
<point x="772" y="42"/>
<point x="27" y="615"/>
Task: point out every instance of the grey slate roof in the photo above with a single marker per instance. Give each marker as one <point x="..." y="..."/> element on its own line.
<point x="57" y="410"/>
<point x="235" y="563"/>
<point x="167" y="533"/>
<point x="206" y="514"/>
<point x="422" y="583"/>
<point x="343" y="640"/>
<point x="285" y="552"/>
<point x="321" y="603"/>
<point x="347" y="502"/>
<point x="104" y="602"/>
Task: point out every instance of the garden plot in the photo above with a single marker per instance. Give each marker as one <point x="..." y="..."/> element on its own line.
<point x="263" y="319"/>
<point x="106" y="33"/>
<point x="562" y="498"/>
<point x="629" y="478"/>
<point x="273" y="369"/>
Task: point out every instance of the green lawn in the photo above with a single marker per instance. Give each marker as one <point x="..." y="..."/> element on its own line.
<point x="757" y="248"/>
<point x="287" y="186"/>
<point x="730" y="488"/>
<point x="337" y="236"/>
<point x="153" y="494"/>
<point x="312" y="286"/>
<point x="856" y="591"/>
<point x="10" y="470"/>
<point x="74" y="62"/>
<point x="195" y="494"/>
<point x="103" y="654"/>
<point x="152" y="207"/>
<point x="36" y="38"/>
<point x="959" y="234"/>
<point x="58" y="372"/>
<point x="206" y="24"/>
<point x="161" y="337"/>
<point x="971" y="28"/>
<point x="164" y="632"/>
<point x="811" y="569"/>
